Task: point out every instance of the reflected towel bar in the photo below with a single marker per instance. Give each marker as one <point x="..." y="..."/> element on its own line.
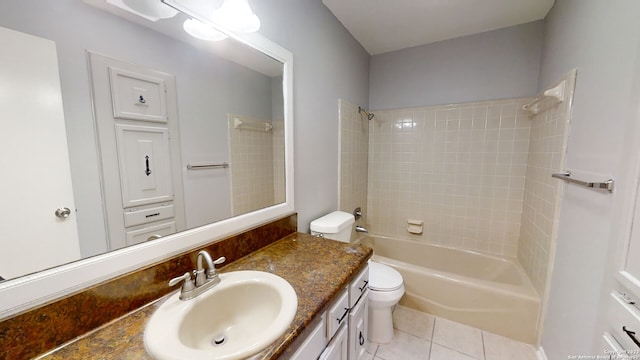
<point x="566" y="176"/>
<point x="207" y="166"/>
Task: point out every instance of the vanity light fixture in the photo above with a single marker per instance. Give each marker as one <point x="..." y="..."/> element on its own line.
<point x="152" y="10"/>
<point x="236" y="15"/>
<point x="202" y="31"/>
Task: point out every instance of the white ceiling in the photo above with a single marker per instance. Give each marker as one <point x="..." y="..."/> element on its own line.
<point x="388" y="25"/>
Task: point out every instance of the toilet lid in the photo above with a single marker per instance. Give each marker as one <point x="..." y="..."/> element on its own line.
<point x="383" y="277"/>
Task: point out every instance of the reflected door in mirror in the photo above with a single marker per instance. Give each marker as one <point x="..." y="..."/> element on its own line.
<point x="36" y="178"/>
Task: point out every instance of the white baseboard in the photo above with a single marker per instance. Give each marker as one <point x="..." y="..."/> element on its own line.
<point x="540" y="355"/>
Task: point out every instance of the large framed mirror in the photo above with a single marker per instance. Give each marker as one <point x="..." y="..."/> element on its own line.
<point x="129" y="140"/>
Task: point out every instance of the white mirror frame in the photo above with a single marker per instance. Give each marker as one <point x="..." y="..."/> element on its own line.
<point x="20" y="294"/>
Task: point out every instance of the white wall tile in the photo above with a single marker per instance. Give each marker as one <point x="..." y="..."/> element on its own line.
<point x="257" y="164"/>
<point x="354" y="157"/>
<point x="547" y="149"/>
<point x="459" y="168"/>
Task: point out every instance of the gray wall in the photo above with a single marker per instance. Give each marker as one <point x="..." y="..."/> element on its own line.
<point x="498" y="64"/>
<point x="600" y="39"/>
<point x="328" y="64"/>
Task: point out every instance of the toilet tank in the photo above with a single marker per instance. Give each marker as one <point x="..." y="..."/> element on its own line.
<point x="336" y="226"/>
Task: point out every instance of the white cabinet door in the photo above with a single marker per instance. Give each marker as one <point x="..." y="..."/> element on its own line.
<point x="36" y="177"/>
<point x="631" y="269"/>
<point x="314" y="343"/>
<point x="338" y="347"/>
<point x="145" y="164"/>
<point x="358" y="325"/>
<point x="137" y="97"/>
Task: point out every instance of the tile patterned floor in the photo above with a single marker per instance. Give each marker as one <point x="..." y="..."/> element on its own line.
<point x="423" y="336"/>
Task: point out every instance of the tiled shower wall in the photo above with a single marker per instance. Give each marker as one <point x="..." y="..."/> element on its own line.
<point x="354" y="148"/>
<point x="253" y="175"/>
<point x="279" y="183"/>
<point x="458" y="168"/>
<point x="477" y="174"/>
<point x="547" y="149"/>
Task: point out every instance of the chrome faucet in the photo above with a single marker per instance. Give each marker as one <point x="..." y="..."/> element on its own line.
<point x="203" y="281"/>
<point x="361" y="229"/>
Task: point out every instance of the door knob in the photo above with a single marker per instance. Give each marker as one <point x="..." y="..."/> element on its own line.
<point x="63" y="212"/>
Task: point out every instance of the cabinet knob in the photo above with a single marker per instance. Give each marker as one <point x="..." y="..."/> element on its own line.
<point x="154" y="237"/>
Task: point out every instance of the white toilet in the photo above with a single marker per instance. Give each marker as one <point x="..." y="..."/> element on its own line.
<point x="386" y="286"/>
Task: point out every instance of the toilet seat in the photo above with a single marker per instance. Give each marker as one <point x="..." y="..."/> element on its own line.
<point x="383" y="277"/>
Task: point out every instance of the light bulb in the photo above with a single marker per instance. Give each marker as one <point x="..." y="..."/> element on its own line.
<point x="202" y="31"/>
<point x="236" y="15"/>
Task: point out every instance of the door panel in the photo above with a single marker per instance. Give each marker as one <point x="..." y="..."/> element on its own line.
<point x="145" y="164"/>
<point x="35" y="136"/>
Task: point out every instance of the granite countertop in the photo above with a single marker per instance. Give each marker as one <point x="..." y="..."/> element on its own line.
<point x="316" y="268"/>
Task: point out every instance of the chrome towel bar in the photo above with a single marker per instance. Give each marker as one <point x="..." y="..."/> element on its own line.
<point x="207" y="166"/>
<point x="566" y="176"/>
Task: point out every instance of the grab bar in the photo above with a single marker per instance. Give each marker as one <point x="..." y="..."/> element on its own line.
<point x="223" y="165"/>
<point x="566" y="176"/>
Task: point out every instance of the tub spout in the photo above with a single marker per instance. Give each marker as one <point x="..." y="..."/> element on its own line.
<point x="361" y="229"/>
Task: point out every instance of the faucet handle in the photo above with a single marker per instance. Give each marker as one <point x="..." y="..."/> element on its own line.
<point x="188" y="283"/>
<point x="212" y="270"/>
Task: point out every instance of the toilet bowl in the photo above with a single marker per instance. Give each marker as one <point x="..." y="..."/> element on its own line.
<point x="386" y="287"/>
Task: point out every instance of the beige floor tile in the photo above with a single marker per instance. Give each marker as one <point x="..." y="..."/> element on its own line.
<point x="439" y="352"/>
<point x="501" y="348"/>
<point x="459" y="337"/>
<point x="368" y="355"/>
<point x="413" y="322"/>
<point x="371" y="349"/>
<point x="404" y="347"/>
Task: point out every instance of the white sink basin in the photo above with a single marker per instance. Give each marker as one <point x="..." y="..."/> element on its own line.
<point x="244" y="313"/>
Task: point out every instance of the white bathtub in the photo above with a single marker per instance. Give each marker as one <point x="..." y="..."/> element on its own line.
<point x="487" y="292"/>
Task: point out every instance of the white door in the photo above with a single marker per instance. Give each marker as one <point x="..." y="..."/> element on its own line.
<point x="36" y="177"/>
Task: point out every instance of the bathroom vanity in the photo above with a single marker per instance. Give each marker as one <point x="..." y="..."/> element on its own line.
<point x="342" y="330"/>
<point x="326" y="275"/>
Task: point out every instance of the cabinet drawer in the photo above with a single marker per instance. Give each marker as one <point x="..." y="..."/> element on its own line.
<point x="337" y="314"/>
<point x="623" y="320"/>
<point x="610" y="347"/>
<point x="313" y="344"/>
<point x="358" y="286"/>
<point x="144" y="216"/>
<point x="150" y="232"/>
